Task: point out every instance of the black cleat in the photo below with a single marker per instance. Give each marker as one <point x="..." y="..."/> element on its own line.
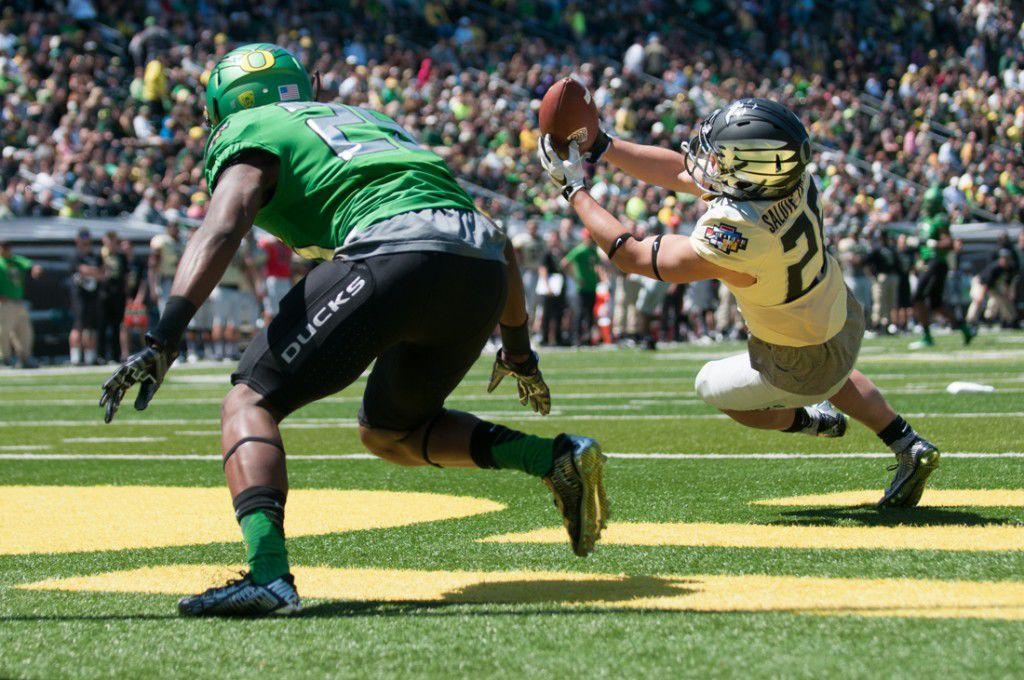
<point x="913" y="466"/>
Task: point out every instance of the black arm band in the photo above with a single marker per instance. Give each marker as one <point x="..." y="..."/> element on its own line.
<point x="516" y="339"/>
<point x="655" y="247"/>
<point x="619" y="241"/>
<point x="173" y="322"/>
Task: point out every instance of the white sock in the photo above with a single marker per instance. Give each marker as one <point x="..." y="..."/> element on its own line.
<point x="76" y="355"/>
<point x="90" y="356"/>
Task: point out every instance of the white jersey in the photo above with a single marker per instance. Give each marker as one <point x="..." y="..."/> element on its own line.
<point x="799" y="298"/>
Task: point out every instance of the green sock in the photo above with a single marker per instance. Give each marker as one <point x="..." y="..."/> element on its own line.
<point x="264" y="546"/>
<point x="496" y="446"/>
<point x="927" y="334"/>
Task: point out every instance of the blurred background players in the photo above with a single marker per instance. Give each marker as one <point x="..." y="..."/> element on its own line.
<point x="15" y="328"/>
<point x="84" y="282"/>
<point x="275" y="272"/>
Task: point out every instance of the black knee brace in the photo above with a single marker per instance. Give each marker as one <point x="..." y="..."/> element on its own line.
<point x="246" y="440"/>
<point x="265" y="498"/>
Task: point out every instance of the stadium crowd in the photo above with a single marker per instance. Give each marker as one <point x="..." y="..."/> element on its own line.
<point x="909" y="105"/>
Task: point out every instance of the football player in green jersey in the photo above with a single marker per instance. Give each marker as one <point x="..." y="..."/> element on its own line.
<point x="413" y="277"/>
<point x="935" y="243"/>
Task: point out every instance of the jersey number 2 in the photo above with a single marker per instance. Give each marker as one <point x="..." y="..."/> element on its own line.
<point x="808" y="225"/>
<point x="390" y="135"/>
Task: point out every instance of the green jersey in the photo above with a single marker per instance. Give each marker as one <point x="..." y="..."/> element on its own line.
<point x="12" y="276"/>
<point x="585" y="261"/>
<point x="342" y="170"/>
<point x="933" y="228"/>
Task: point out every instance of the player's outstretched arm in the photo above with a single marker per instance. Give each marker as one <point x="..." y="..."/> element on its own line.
<point x="651" y="164"/>
<point x="241" y="191"/>
<point x="668" y="258"/>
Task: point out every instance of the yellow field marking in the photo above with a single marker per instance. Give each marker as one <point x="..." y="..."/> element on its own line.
<point x="715" y="593"/>
<point x="945" y="498"/>
<point x="953" y="537"/>
<point x="58" y="519"/>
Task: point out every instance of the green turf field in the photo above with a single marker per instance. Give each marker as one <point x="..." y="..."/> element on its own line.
<point x="695" y="578"/>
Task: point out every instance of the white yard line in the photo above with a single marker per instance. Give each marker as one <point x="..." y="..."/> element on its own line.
<point x="313" y="423"/>
<point x="112" y="440"/>
<point x="628" y="456"/>
<point x="24" y="447"/>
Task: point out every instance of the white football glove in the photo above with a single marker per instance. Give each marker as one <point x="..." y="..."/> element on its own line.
<point x="568" y="175"/>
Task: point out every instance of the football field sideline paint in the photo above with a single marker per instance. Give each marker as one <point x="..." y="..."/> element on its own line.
<point x="935" y="498"/>
<point x="626" y="456"/>
<point x="62" y="519"/>
<point x="821" y="596"/>
<point x="973" y="538"/>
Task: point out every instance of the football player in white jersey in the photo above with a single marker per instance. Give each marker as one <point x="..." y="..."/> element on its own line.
<point x="762" y="237"/>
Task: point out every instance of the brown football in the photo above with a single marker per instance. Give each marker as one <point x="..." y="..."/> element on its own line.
<point x="568" y="113"/>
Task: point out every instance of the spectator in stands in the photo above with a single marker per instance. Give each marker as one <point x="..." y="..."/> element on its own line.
<point x="113" y="298"/>
<point x="924" y="95"/>
<point x="529" y="252"/>
<point x="276" y="274"/>
<point x="883" y="264"/>
<point x="136" y="317"/>
<point x="583" y="262"/>
<point x="552" y="290"/>
<point x="993" y="285"/>
<point x="233" y="305"/>
<point x="904" y="299"/>
<point x="87" y="274"/>
<point x="15" y="328"/>
<point x="853" y="255"/>
<point x="699" y="305"/>
<point x="164" y="252"/>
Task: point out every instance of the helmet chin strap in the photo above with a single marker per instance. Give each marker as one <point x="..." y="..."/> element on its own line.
<point x="316" y="86"/>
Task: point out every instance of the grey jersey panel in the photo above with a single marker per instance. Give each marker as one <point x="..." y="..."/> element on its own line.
<point x="444" y="230"/>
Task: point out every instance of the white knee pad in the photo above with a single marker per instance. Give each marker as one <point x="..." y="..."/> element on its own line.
<point x="703" y="384"/>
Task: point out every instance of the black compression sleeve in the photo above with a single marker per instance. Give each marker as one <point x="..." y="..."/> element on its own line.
<point x="516" y="339"/>
<point x="173" y="322"/>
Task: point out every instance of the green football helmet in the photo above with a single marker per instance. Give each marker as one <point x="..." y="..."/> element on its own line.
<point x="255" y="75"/>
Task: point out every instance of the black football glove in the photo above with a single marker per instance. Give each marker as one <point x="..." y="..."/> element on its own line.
<point x="598" y="148"/>
<point x="530" y="382"/>
<point x="147" y="367"/>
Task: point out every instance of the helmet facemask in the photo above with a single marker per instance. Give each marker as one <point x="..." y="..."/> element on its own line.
<point x="745" y="169"/>
<point x="700" y="157"/>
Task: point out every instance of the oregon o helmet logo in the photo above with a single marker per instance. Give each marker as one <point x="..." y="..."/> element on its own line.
<point x="257" y="60"/>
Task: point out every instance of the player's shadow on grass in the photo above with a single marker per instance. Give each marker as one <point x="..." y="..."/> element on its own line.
<point x="523" y="592"/>
<point x="872" y="516"/>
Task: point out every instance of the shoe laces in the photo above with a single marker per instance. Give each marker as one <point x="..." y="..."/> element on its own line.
<point x="242" y="576"/>
<point x="904" y="460"/>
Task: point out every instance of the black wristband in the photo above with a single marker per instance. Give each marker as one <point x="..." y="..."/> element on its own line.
<point x="599" y="146"/>
<point x="619" y="241"/>
<point x="516" y="339"/>
<point x="177" y="313"/>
